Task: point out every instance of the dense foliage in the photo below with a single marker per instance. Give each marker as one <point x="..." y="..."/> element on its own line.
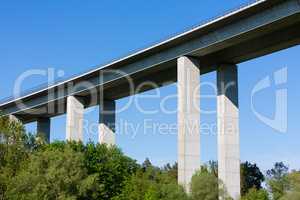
<point x="31" y="169"/>
<point x="152" y="183"/>
<point x="293" y="191"/>
<point x="204" y="185"/>
<point x="278" y="180"/>
<point x="254" y="194"/>
<point x="251" y="177"/>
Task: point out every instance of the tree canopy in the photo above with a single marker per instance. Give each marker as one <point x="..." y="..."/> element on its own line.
<point x="32" y="169"/>
<point x="251" y="177"/>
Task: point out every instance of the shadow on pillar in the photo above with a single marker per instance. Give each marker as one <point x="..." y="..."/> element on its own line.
<point x="43" y="128"/>
<point x="228" y="129"/>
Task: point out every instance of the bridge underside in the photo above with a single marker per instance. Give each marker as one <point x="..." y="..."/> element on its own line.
<point x="239" y="49"/>
<point x="258" y="30"/>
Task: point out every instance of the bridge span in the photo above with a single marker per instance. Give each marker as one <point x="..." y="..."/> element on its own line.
<point x="257" y="29"/>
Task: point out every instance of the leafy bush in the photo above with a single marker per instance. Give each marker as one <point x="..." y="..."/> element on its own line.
<point x="293" y="192"/>
<point x="32" y="169"/>
<point x="251" y="177"/>
<point x="254" y="194"/>
<point x="51" y="175"/>
<point x="151" y="183"/>
<point x="278" y="182"/>
<point x="205" y="185"/>
<point x="111" y="168"/>
<point x="15" y="147"/>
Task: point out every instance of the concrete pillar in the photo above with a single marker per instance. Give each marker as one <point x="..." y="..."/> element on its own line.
<point x="107" y="122"/>
<point x="43" y="128"/>
<point x="228" y="129"/>
<point x="74" y="124"/>
<point x="188" y="86"/>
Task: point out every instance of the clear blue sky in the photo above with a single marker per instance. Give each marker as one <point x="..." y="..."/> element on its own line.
<point x="76" y="35"/>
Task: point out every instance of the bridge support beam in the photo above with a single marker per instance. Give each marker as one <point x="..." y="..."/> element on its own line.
<point x="107" y="119"/>
<point x="188" y="86"/>
<point x="74" y="124"/>
<point x="228" y="129"/>
<point x="43" y="128"/>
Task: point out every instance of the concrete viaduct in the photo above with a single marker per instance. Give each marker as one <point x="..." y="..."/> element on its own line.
<point x="257" y="29"/>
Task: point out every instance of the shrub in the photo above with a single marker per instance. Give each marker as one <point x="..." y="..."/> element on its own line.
<point x="254" y="194"/>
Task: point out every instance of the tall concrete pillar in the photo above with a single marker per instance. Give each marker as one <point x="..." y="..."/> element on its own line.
<point x="43" y="128"/>
<point x="107" y="122"/>
<point x="228" y="129"/>
<point x="74" y="124"/>
<point x="188" y="86"/>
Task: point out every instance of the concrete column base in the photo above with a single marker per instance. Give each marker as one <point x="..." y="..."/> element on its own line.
<point x="228" y="130"/>
<point x="74" y="123"/>
<point x="107" y="120"/>
<point x="188" y="81"/>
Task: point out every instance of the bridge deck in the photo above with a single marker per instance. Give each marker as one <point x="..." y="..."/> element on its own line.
<point x="258" y="29"/>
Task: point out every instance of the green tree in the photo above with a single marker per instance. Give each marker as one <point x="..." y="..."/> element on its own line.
<point x="293" y="192"/>
<point x="147" y="164"/>
<point x="135" y="187"/>
<point x="28" y="163"/>
<point x="111" y="167"/>
<point x="15" y="147"/>
<point x="254" y="194"/>
<point x="152" y="192"/>
<point x="152" y="184"/>
<point x="213" y="166"/>
<point x="52" y="174"/>
<point x="251" y="177"/>
<point x="172" y="191"/>
<point x="278" y="180"/>
<point x="171" y="170"/>
<point x="204" y="185"/>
